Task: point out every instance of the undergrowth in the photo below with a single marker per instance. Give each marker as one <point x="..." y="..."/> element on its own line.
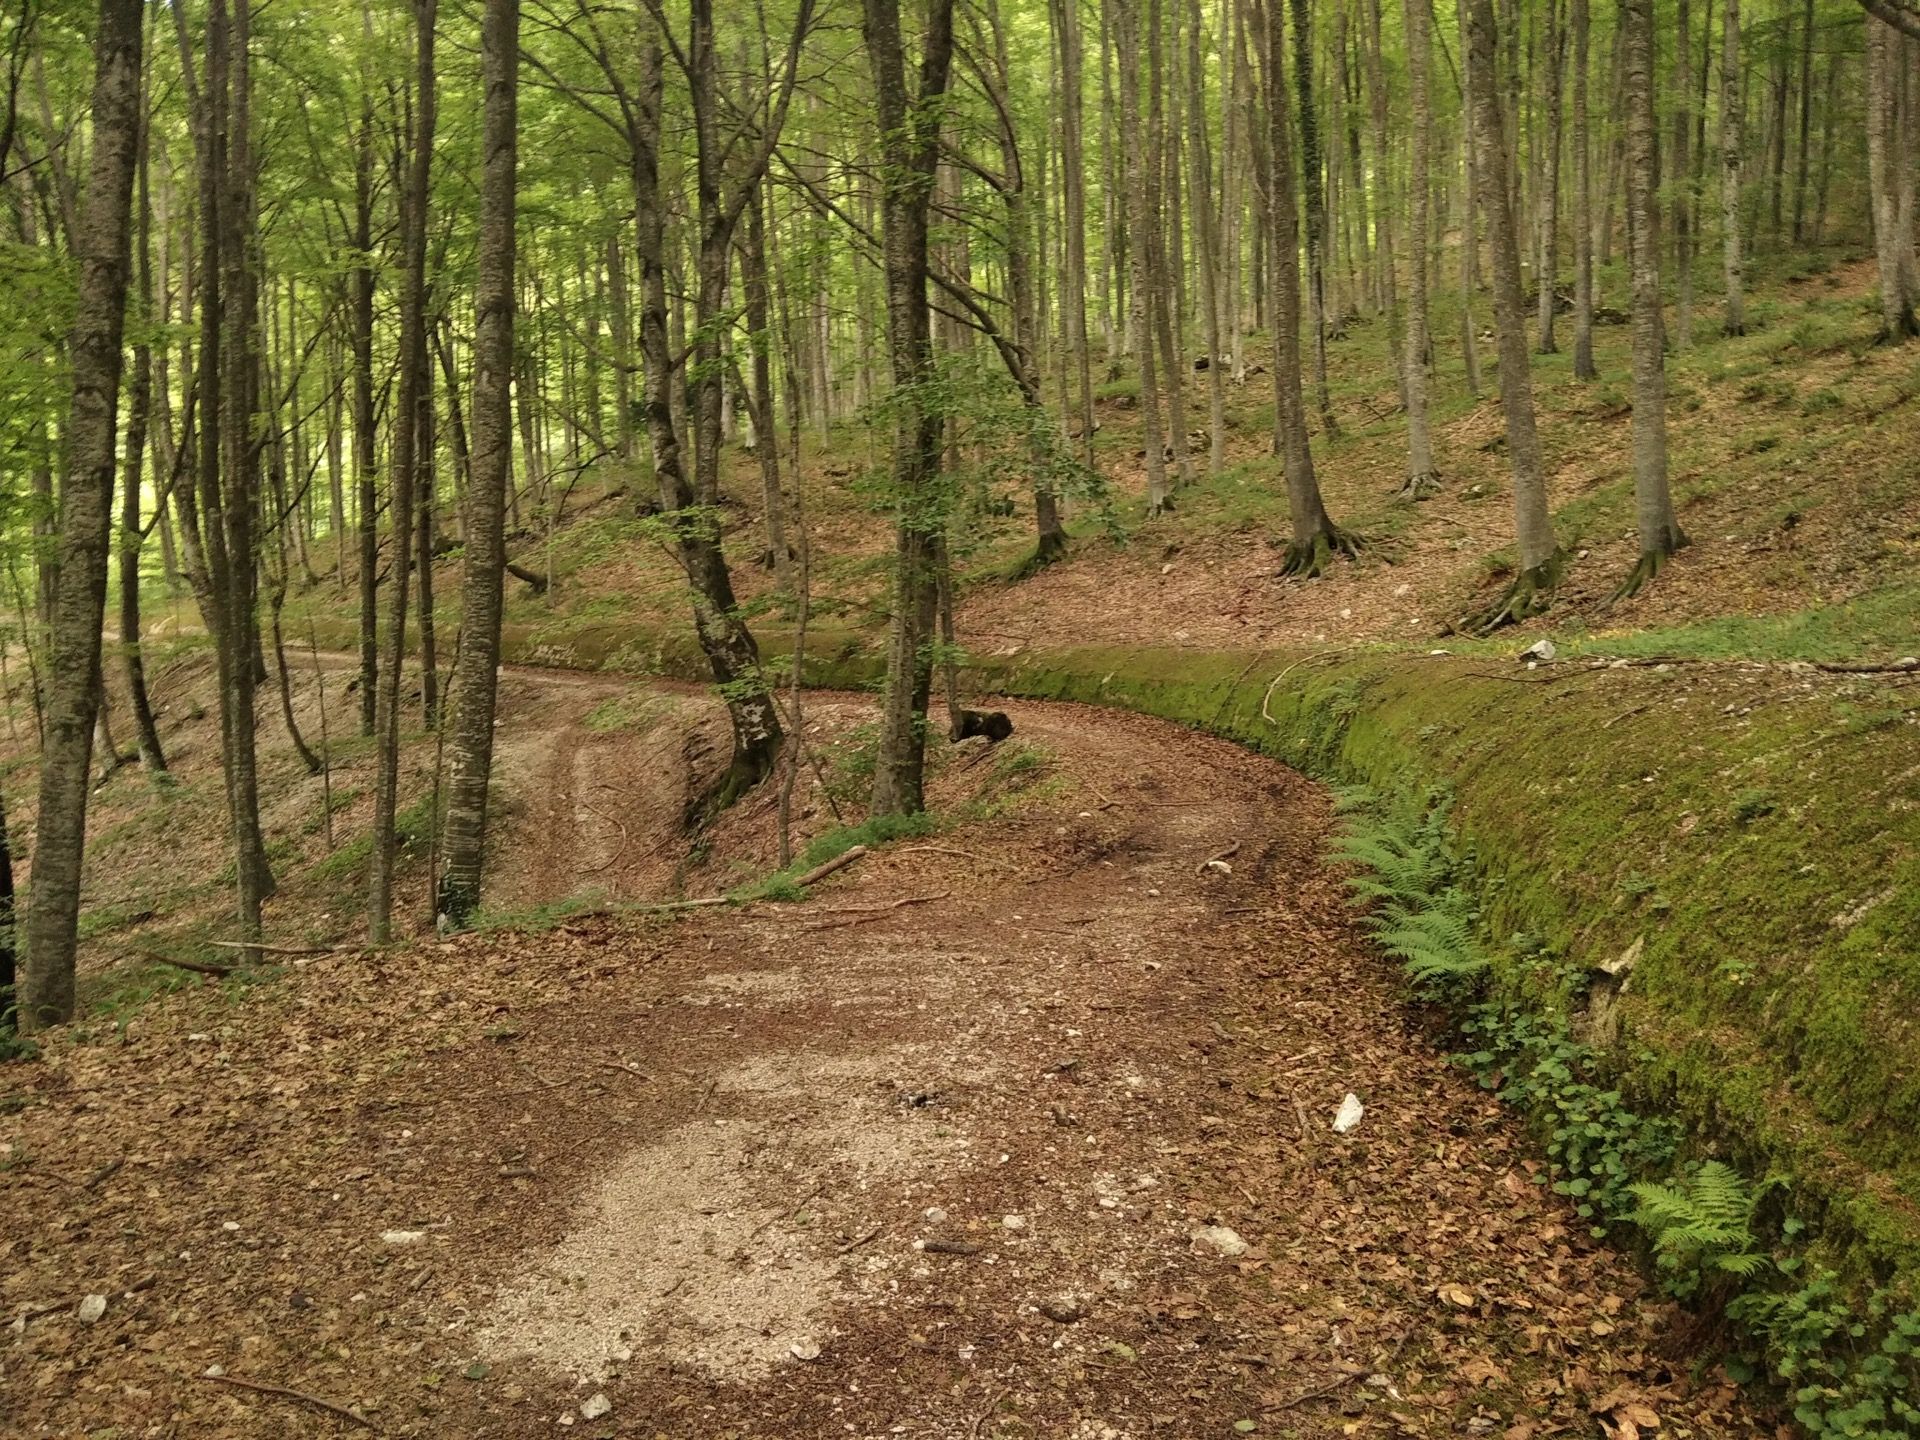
<point x="1847" y="1356"/>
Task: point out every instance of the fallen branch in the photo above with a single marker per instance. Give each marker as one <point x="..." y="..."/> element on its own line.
<point x="281" y="949"/>
<point x="288" y="1393"/>
<point x="1318" y="1394"/>
<point x="199" y="967"/>
<point x="1226" y="854"/>
<point x="951" y="1247"/>
<point x="858" y="1240"/>
<point x="839" y="862"/>
<point x="980" y="1420"/>
<point x="884" y="905"/>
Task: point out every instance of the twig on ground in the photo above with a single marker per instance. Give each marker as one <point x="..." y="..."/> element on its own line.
<point x="840" y="861"/>
<point x="884" y="905"/>
<point x="199" y="967"/>
<point x="951" y="1247"/>
<point x="1316" y="1394"/>
<point x="288" y="1393"/>
<point x="980" y="1420"/>
<point x="857" y="1241"/>
<point x="281" y="949"/>
<point x="1226" y="854"/>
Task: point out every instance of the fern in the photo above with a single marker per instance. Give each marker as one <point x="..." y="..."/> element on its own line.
<point x="1703" y="1224"/>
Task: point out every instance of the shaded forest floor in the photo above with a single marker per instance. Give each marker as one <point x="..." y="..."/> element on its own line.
<point x="1018" y="1129"/>
<point x="1795" y="467"/>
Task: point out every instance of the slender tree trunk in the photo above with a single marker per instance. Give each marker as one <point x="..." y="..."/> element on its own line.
<point x="366" y="465"/>
<point x="1734" y="319"/>
<point x="1549" y="197"/>
<point x="412" y="376"/>
<point x="1540" y="560"/>
<point x="73" y="694"/>
<point x="1422" y="479"/>
<point x="1892" y="235"/>
<point x="1124" y="19"/>
<point x="1163" y="187"/>
<point x="910" y="147"/>
<point x="766" y="442"/>
<point x="1312" y="173"/>
<point x="1208" y="244"/>
<point x="477" y="657"/>
<point x="133" y="448"/>
<point x="1660" y="534"/>
<point x="1066" y="16"/>
<point x="1315" y="538"/>
<point x="1583" y="366"/>
<point x="1680" y="183"/>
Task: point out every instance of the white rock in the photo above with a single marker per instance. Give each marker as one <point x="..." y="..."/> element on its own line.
<point x="1014" y="1222"/>
<point x="1543" y="651"/>
<point x="935" y="1214"/>
<point x="1222" y="1239"/>
<point x="403" y="1237"/>
<point x="1348" y="1115"/>
<point x="595" y="1405"/>
<point x="804" y="1349"/>
<point x="90" y="1309"/>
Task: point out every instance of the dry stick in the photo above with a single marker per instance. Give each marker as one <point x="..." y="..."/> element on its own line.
<point x="1226" y="854"/>
<point x="935" y="850"/>
<point x="286" y="1392"/>
<point x="980" y="1420"/>
<point x="884" y="906"/>
<point x="820" y="872"/>
<point x="283" y="949"/>
<point x="198" y="967"/>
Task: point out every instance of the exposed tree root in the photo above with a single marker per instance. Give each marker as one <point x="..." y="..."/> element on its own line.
<point x="1420" y="487"/>
<point x="750" y="765"/>
<point x="1052" y="547"/>
<point x="1530" y="594"/>
<point x="1650" y="564"/>
<point x="1309" y="559"/>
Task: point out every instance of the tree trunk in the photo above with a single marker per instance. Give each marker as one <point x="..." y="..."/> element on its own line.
<point x="73" y="692"/>
<point x="133" y="448"/>
<point x="477" y="657"/>
<point x="1892" y="236"/>
<point x="1312" y="172"/>
<point x="1124" y="18"/>
<point x="1540" y="560"/>
<point x="1422" y="479"/>
<point x="1550" y="184"/>
<point x="1315" y="538"/>
<point x="366" y="465"/>
<point x="910" y="148"/>
<point x="1207" y="239"/>
<point x="1660" y="534"/>
<point x="1066" y="15"/>
<point x="1734" y="319"/>
<point x="412" y="376"/>
<point x="766" y="444"/>
<point x="1583" y="366"/>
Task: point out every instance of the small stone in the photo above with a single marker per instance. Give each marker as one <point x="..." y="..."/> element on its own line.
<point x="596" y="1405"/>
<point x="1348" y="1116"/>
<point x="402" y="1237"/>
<point x="1014" y="1222"/>
<point x="90" y="1309"/>
<point x="935" y="1215"/>
<point x="804" y="1349"/>
<point x="1062" y="1309"/>
<point x="1542" y="651"/>
<point x="1222" y="1239"/>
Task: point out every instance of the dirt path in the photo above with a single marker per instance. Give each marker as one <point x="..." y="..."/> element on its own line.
<point x="1021" y="1130"/>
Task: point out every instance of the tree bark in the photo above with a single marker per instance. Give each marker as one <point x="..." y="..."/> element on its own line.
<point x="133" y="449"/>
<point x="1892" y="233"/>
<point x="910" y="150"/>
<point x="1660" y="534"/>
<point x="1734" y="317"/>
<point x="1540" y="560"/>
<point x="1315" y="538"/>
<point x="1124" y="20"/>
<point x="1312" y="174"/>
<point x="1583" y="366"/>
<point x="477" y="659"/>
<point x="401" y="501"/>
<point x="1422" y="479"/>
<point x="73" y="691"/>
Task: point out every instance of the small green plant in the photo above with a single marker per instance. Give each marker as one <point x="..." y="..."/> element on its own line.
<point x="1701" y="1227"/>
<point x="1755" y="804"/>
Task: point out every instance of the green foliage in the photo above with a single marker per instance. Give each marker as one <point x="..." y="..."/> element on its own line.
<point x="876" y="831"/>
<point x="1701" y="1226"/>
<point x="1403" y="870"/>
<point x="1850" y="1371"/>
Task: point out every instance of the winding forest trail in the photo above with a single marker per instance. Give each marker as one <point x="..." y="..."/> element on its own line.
<point x="1019" y="1130"/>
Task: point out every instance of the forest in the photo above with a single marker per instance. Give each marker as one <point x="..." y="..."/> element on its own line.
<point x="1072" y="718"/>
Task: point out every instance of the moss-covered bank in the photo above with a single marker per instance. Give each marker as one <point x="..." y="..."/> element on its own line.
<point x="1754" y="829"/>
